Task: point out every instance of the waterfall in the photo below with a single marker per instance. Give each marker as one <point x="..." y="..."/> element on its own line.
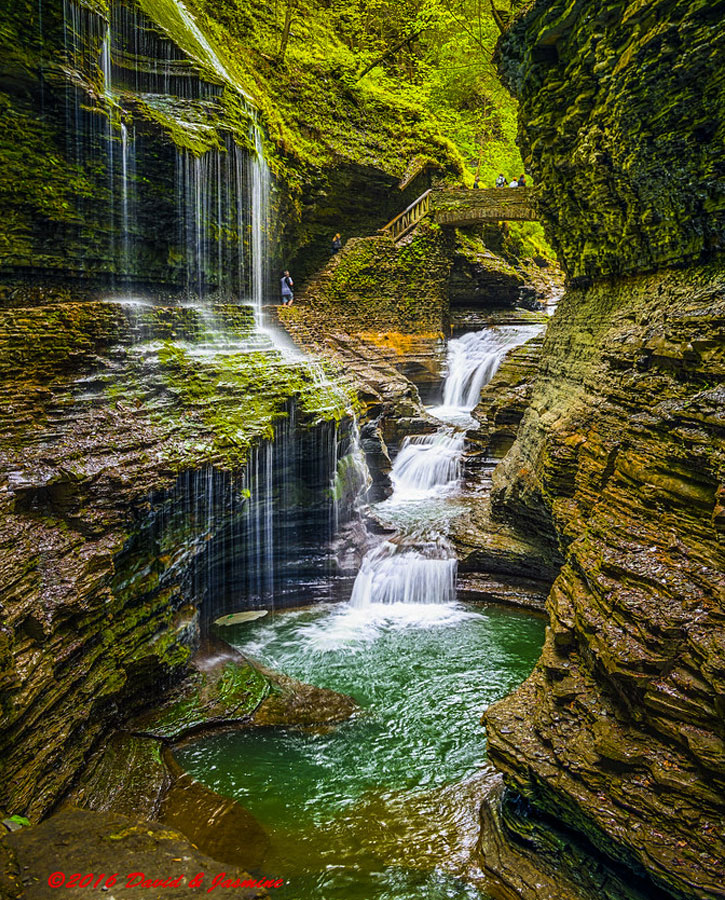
<point x="472" y="362"/>
<point x="427" y="463"/>
<point x="208" y="236"/>
<point x="397" y="574"/>
<point x="409" y="569"/>
<point x="128" y="177"/>
<point x="260" y="189"/>
<point x="262" y="539"/>
<point x="352" y="477"/>
<point x="106" y="75"/>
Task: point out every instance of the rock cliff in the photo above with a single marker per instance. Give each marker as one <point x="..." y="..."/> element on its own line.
<point x="617" y="737"/>
<point x="126" y="506"/>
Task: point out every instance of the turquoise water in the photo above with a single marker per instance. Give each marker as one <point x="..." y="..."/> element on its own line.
<point x="377" y="807"/>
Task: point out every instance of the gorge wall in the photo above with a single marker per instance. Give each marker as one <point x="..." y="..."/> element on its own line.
<point x="617" y="738"/>
<point x="143" y="454"/>
<point x="131" y="148"/>
<point x="133" y="435"/>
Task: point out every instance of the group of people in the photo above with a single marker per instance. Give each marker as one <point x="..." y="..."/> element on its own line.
<point x="287" y="285"/>
<point x="502" y="181"/>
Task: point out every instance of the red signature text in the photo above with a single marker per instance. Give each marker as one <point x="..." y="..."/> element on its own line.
<point x="142" y="880"/>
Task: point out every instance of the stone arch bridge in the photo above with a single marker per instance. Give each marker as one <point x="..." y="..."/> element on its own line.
<point x="459" y="206"/>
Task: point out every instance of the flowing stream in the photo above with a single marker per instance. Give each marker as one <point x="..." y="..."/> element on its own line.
<point x="381" y="806"/>
<point x="385" y="805"/>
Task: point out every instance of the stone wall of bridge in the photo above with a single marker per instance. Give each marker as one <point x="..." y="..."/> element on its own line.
<point x="468" y="207"/>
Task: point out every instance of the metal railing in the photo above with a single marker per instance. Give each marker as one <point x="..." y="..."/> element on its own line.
<point x="409" y="218"/>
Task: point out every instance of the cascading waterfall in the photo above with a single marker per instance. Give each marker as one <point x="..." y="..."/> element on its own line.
<point x="408" y="570"/>
<point x="122" y="71"/>
<point x="473" y="360"/>
<point x="266" y="539"/>
<point x="393" y="573"/>
<point x="427" y="464"/>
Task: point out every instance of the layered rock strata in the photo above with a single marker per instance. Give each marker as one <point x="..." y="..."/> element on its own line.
<point x="618" y="734"/>
<point x="505" y="399"/>
<point x="123" y="497"/>
<point x="374" y="283"/>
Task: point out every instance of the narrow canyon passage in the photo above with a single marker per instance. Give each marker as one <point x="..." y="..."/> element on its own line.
<point x="342" y="806"/>
<point x="361" y="449"/>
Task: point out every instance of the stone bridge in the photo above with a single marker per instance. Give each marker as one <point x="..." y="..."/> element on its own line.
<point x="470" y="207"/>
<point x="460" y="206"/>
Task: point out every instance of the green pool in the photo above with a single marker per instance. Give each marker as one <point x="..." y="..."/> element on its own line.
<point x="383" y="806"/>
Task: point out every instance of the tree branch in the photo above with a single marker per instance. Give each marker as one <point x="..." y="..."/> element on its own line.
<point x="389" y="52"/>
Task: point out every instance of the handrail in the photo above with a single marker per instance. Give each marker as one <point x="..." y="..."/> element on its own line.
<point x="405" y="221"/>
<point x="416" y="166"/>
<point x="454" y="207"/>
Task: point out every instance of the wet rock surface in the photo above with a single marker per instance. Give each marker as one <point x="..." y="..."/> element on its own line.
<point x="220" y="690"/>
<point x="505" y="399"/>
<point x="529" y="857"/>
<point x="487" y="545"/>
<point x="116" y="424"/>
<point x="136" y="773"/>
<point x="627" y="166"/>
<point x="224" y="689"/>
<point x="480" y="277"/>
<point x="617" y="735"/>
<point x="76" y="840"/>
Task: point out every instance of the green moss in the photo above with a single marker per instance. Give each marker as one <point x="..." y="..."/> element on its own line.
<point x="375" y="284"/>
<point x="230" y="692"/>
<point x="240" y="396"/>
<point x="37" y="183"/>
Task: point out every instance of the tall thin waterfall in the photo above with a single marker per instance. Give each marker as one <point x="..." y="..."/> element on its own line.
<point x="123" y="72"/>
<point x="260" y="185"/>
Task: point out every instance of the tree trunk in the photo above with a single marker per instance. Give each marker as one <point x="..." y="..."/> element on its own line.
<point x="286" y="30"/>
<point x="389" y="53"/>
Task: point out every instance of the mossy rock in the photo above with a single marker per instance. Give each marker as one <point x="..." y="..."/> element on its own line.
<point x="226" y="693"/>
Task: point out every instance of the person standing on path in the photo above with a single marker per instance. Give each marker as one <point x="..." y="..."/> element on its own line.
<point x="336" y="245"/>
<point x="287" y="286"/>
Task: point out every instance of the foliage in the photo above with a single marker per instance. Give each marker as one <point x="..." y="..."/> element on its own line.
<point x="437" y="94"/>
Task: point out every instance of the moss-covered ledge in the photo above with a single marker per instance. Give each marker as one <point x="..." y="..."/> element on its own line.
<point x="119" y="409"/>
<point x="225" y="690"/>
<point x="136" y="772"/>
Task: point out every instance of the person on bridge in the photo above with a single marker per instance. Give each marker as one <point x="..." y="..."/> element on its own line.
<point x="513" y="183"/>
<point x="287" y="286"/>
<point x="476" y="183"/>
<point x="501" y="180"/>
<point x="336" y="245"/>
<point x="522" y="180"/>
